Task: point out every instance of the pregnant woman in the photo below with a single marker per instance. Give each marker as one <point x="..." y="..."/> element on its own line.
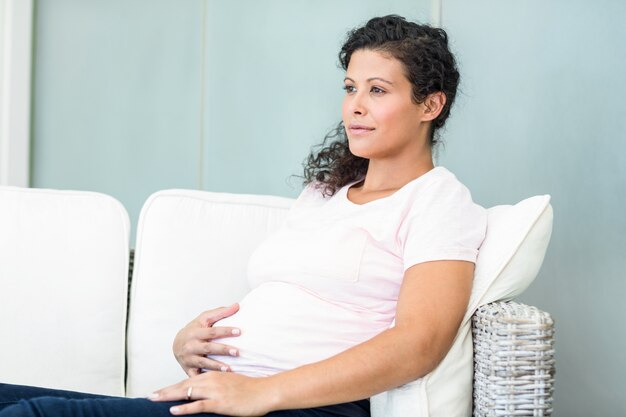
<point x="378" y="234"/>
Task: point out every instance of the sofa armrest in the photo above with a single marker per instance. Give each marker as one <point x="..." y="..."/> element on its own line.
<point x="63" y="277"/>
<point x="514" y="365"/>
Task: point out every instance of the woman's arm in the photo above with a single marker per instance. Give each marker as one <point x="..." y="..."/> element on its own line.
<point x="432" y="302"/>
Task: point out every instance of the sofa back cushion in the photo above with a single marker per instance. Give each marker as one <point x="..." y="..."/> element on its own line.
<point x="63" y="286"/>
<point x="191" y="255"/>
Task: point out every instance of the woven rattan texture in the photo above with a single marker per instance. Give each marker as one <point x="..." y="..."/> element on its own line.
<point x="514" y="360"/>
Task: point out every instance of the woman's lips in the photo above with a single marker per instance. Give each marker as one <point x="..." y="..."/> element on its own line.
<point x="360" y="130"/>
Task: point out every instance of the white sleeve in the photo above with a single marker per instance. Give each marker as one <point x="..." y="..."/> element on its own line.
<point x="444" y="224"/>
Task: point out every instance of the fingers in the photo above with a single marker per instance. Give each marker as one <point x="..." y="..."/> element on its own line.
<point x="199" y="342"/>
<point x="190" y="347"/>
<point x="194" y="364"/>
<point x="192" y="354"/>
<point x="219" y="349"/>
<point x="169" y="393"/>
<point x="179" y="391"/>
<point x="197" y="348"/>
<point x="212" y="316"/>
<point x="182" y="391"/>
<point x="210" y="333"/>
<point x="195" y="407"/>
<point x="202" y="346"/>
<point x="202" y="362"/>
<point x="195" y="356"/>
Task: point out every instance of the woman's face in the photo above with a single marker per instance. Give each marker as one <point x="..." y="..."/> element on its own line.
<point x="380" y="119"/>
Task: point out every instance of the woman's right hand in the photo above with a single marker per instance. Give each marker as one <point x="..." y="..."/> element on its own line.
<point x="194" y="341"/>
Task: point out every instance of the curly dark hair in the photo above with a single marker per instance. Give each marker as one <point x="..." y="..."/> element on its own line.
<point x="429" y="66"/>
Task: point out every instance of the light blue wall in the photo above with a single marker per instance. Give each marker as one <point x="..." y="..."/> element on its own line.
<point x="542" y="112"/>
<point x="117" y="97"/>
<point x="135" y="96"/>
<point x="274" y="88"/>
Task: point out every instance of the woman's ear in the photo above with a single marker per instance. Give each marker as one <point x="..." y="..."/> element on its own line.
<point x="433" y="104"/>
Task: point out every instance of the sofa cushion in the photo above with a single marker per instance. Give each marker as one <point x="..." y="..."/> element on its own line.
<point x="63" y="286"/>
<point x="191" y="255"/>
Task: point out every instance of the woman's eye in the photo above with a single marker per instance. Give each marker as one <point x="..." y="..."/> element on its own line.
<point x="348" y="88"/>
<point x="377" y="90"/>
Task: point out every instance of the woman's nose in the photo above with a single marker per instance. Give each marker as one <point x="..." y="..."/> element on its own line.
<point x="357" y="105"/>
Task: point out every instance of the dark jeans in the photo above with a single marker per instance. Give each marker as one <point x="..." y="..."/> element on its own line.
<point x="24" y="401"/>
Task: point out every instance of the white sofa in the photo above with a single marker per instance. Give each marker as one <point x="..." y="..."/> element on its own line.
<point x="64" y="321"/>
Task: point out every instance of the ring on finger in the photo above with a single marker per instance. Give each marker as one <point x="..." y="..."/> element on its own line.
<point x="189" y="391"/>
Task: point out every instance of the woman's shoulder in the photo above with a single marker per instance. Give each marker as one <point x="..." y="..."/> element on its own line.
<point x="443" y="177"/>
<point x="437" y="183"/>
<point x="442" y="192"/>
<point x="311" y="194"/>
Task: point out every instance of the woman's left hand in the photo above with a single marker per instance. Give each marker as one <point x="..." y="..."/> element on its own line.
<point x="219" y="392"/>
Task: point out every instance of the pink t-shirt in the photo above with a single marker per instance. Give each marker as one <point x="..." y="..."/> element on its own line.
<point x="330" y="276"/>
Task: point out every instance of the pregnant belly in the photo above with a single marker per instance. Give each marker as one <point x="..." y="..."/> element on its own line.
<point x="284" y="326"/>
